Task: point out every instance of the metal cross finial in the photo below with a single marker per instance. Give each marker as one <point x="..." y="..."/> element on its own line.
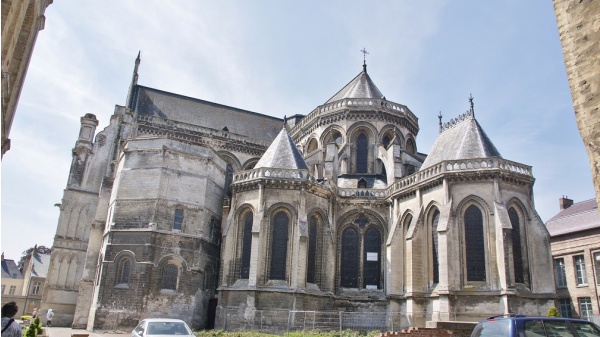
<point x="440" y="117"/>
<point x="365" y="52"/>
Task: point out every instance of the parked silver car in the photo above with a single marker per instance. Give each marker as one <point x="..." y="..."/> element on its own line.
<point x="162" y="327"/>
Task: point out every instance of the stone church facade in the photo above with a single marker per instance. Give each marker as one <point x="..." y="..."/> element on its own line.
<point x="186" y="208"/>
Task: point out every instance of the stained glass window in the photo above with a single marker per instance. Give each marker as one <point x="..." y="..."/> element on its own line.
<point x="362" y="153"/>
<point x="279" y="244"/>
<point x="246" y="245"/>
<point x="349" y="258"/>
<point x="474" y="244"/>
<point x="516" y="245"/>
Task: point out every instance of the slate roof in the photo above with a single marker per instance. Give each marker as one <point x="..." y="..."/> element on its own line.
<point x="154" y="102"/>
<point x="361" y="86"/>
<point x="464" y="139"/>
<point x="41" y="262"/>
<point x="10" y="269"/>
<point x="282" y="153"/>
<point x="578" y="217"/>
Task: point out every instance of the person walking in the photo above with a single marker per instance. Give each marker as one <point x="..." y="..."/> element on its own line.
<point x="10" y="328"/>
<point x="49" y="316"/>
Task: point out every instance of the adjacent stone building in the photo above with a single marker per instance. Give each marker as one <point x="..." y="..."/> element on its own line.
<point x="21" y="22"/>
<point x="575" y="242"/>
<point x="579" y="29"/>
<point x="191" y="209"/>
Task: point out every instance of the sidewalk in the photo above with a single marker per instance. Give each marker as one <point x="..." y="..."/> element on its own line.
<point x="66" y="332"/>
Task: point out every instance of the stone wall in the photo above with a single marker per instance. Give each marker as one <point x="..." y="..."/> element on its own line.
<point x="579" y="29"/>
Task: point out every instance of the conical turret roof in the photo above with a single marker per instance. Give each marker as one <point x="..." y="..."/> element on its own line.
<point x="462" y="139"/>
<point x="283" y="154"/>
<point x="361" y="86"/>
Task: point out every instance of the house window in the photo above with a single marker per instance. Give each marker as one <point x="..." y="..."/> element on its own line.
<point x="564" y="306"/>
<point x="597" y="266"/>
<point x="3" y="288"/>
<point x="474" y="244"/>
<point x="350" y="258"/>
<point x="169" y="277"/>
<point x="36" y="288"/>
<point x="580" y="270"/>
<point x="246" y="245"/>
<point x="312" y="250"/>
<point x="362" y="153"/>
<point x="516" y="245"/>
<point x="372" y="259"/>
<point x="434" y="247"/>
<point x="12" y="290"/>
<point x="585" y="308"/>
<point x="560" y="273"/>
<point x="279" y="245"/>
<point x="123" y="271"/>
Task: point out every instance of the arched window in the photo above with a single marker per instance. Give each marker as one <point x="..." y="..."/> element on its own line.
<point x="123" y="271"/>
<point x="246" y="246"/>
<point x="386" y="141"/>
<point x="362" y="153"/>
<point x="349" y="258"/>
<point x="434" y="247"/>
<point x="178" y="219"/>
<point x="279" y="245"/>
<point x="410" y="146"/>
<point x="228" y="179"/>
<point x="474" y="244"/>
<point x="372" y="262"/>
<point x="312" y="250"/>
<point x="169" y="277"/>
<point x="312" y="146"/>
<point x="516" y="245"/>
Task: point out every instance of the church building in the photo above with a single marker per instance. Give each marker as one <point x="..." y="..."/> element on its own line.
<point x="190" y="209"/>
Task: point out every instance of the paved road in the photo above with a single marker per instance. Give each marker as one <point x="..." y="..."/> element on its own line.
<point x="66" y="332"/>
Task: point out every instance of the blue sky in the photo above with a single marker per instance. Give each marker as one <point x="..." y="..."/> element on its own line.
<point x="287" y="57"/>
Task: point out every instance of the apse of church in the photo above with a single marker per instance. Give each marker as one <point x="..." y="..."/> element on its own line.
<point x="191" y="209"/>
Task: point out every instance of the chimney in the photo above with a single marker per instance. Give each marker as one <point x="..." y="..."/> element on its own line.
<point x="565" y="202"/>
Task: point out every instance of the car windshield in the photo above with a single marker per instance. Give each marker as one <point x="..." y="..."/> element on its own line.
<point x="498" y="328"/>
<point x="167" y="328"/>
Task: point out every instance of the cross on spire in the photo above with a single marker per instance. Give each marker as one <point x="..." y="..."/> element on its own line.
<point x="365" y="52"/>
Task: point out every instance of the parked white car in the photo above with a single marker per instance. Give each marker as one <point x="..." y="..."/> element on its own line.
<point x="162" y="327"/>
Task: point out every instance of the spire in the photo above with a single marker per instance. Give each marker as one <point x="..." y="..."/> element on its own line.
<point x="472" y="105"/>
<point x="283" y="154"/>
<point x="365" y="52"/>
<point x="134" y="80"/>
<point x="440" y="117"/>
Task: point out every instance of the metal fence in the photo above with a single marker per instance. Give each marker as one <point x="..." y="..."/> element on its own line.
<point x="281" y="321"/>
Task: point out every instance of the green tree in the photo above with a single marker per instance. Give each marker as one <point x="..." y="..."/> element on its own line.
<point x="553" y="312"/>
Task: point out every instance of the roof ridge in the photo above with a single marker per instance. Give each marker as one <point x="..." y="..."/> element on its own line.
<point x="468" y="115"/>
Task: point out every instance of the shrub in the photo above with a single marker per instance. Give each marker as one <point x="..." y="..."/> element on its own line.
<point x="38" y="325"/>
<point x="553" y="312"/>
<point x="31" y="331"/>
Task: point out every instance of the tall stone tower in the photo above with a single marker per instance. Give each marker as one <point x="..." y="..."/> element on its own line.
<point x="579" y="29"/>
